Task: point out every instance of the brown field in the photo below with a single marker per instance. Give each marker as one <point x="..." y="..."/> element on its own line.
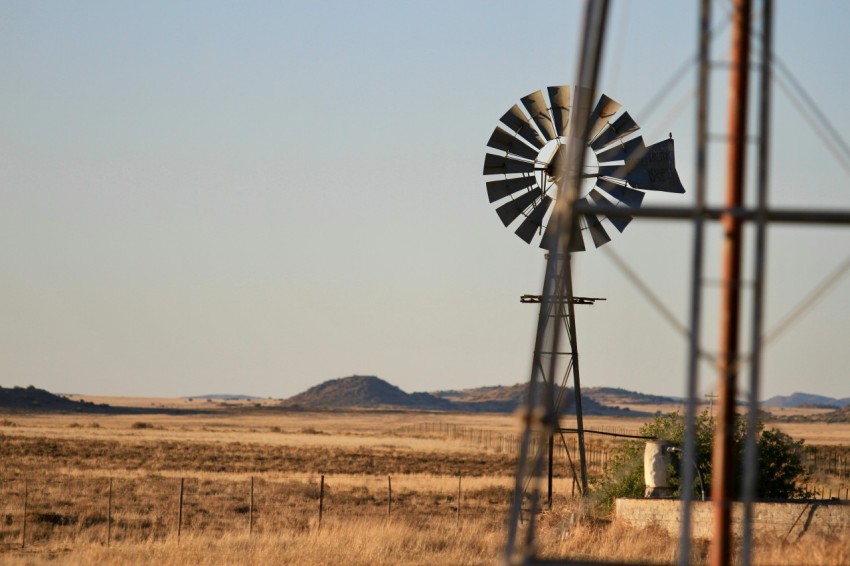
<point x="251" y="481"/>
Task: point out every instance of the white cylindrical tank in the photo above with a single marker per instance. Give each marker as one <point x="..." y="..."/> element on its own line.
<point x="656" y="460"/>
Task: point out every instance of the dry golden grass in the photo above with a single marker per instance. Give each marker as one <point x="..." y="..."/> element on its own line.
<point x="818" y="434"/>
<point x="67" y="461"/>
<point x="361" y="541"/>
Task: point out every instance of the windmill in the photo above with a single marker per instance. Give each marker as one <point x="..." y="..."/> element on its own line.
<point x="531" y="146"/>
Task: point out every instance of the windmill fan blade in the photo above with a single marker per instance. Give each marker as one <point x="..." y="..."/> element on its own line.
<point x="597" y="232"/>
<point x="630" y="197"/>
<point x="506" y="142"/>
<point x="633" y="148"/>
<point x="501" y="165"/>
<point x="559" y="96"/>
<point x="516" y="120"/>
<point x="576" y="242"/>
<point x="550" y="238"/>
<point x="582" y="101"/>
<point x="619" y="222"/>
<point x="497" y="190"/>
<point x="509" y="211"/>
<point x="534" y="220"/>
<point x="601" y="115"/>
<point x="622" y="126"/>
<point x="536" y="106"/>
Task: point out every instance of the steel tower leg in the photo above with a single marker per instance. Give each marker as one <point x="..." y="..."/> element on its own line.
<point x="571" y="334"/>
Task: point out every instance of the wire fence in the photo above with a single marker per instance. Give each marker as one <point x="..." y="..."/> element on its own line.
<point x="829" y="460"/>
<point x="104" y="510"/>
<point x="565" y="448"/>
<point x="824" y="462"/>
<point x="78" y="509"/>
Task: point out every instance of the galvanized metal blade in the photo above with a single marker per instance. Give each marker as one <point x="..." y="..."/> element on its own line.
<point x="511" y="144"/>
<point x="509" y="211"/>
<point x="503" y="165"/>
<point x="549" y="241"/>
<point x="630" y="197"/>
<point x="534" y="221"/>
<point x="583" y="96"/>
<point x="613" y="172"/>
<point x="577" y="241"/>
<point x="623" y="151"/>
<point x="559" y="98"/>
<point x="597" y="233"/>
<point x="536" y="106"/>
<point x="516" y="120"/>
<point x="602" y="114"/>
<point x="622" y="126"/>
<point x="619" y="222"/>
<point x="497" y="190"/>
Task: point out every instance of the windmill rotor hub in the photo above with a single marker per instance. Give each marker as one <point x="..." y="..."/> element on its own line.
<point x="550" y="165"/>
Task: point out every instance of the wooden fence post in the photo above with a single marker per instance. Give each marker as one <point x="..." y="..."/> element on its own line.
<point x="251" y="510"/>
<point x="24" y="529"/>
<point x="457" y="517"/>
<point x="109" y="515"/>
<point x="180" y="511"/>
<point x="389" y="497"/>
<point x="321" y="498"/>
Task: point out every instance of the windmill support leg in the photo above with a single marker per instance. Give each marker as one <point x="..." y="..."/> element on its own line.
<point x="571" y="334"/>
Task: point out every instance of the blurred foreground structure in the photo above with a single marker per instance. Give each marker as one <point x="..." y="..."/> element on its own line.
<point x="541" y="415"/>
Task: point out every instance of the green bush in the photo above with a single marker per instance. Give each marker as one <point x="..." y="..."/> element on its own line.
<point x="781" y="468"/>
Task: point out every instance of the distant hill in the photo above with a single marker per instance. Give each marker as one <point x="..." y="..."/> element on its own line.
<point x="34" y="399"/>
<point x="618" y="396"/>
<point x="223" y="397"/>
<point x="508" y="398"/>
<point x="805" y="400"/>
<point x="365" y="391"/>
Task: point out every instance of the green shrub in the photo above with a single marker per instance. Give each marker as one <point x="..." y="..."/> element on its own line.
<point x="781" y="468"/>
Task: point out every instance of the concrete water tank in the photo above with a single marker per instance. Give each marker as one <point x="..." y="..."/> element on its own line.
<point x="656" y="461"/>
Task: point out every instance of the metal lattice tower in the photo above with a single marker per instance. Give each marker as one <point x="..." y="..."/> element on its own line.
<point x="521" y="546"/>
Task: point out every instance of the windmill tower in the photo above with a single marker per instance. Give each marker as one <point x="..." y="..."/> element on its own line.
<point x="530" y="165"/>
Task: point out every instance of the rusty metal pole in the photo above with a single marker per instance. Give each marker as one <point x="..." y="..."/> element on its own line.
<point x="723" y="464"/>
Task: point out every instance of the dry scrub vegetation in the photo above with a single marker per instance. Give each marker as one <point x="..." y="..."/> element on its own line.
<point x="66" y="466"/>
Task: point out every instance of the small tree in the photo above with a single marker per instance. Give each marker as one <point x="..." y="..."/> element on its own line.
<point x="781" y="466"/>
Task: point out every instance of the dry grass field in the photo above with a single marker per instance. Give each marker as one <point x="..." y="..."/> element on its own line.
<point x="231" y="484"/>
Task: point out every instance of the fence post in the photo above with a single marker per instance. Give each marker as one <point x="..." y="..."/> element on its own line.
<point x="321" y="498"/>
<point x="24" y="529"/>
<point x="389" y="497"/>
<point x="457" y="517"/>
<point x="109" y="515"/>
<point x="180" y="511"/>
<point x="251" y="510"/>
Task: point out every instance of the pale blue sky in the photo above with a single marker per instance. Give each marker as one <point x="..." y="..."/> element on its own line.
<point x="255" y="197"/>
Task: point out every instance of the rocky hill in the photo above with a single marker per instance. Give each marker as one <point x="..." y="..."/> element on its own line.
<point x="34" y="399"/>
<point x="805" y="400"/>
<point x="373" y="392"/>
<point x="618" y="396"/>
<point x="595" y="400"/>
<point x="364" y="391"/>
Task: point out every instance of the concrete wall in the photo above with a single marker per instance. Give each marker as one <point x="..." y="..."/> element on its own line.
<point x="791" y="519"/>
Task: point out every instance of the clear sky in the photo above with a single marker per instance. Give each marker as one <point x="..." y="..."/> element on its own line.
<point x="254" y="197"/>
